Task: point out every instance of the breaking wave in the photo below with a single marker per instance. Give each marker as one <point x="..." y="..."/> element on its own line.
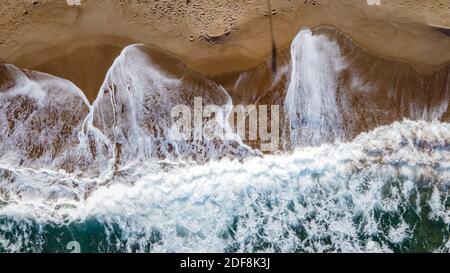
<point x="311" y="100"/>
<point x="111" y="176"/>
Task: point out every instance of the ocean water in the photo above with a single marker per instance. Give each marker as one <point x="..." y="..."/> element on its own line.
<point x="110" y="177"/>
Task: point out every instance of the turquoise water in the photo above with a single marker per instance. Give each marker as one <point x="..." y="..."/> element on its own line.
<point x="386" y="191"/>
<point x="425" y="233"/>
<point x="111" y="177"/>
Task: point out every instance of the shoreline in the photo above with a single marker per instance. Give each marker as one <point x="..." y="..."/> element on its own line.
<point x="238" y="44"/>
<point x="80" y="42"/>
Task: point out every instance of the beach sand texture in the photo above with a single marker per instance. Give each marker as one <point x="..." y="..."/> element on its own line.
<point x="78" y="40"/>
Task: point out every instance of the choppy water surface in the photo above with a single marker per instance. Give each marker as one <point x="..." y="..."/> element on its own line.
<point x="110" y="177"/>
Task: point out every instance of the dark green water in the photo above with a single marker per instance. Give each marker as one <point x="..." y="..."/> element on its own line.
<point x="425" y="232"/>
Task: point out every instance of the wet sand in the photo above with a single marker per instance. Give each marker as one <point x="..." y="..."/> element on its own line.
<point x="79" y="42"/>
<point x="84" y="62"/>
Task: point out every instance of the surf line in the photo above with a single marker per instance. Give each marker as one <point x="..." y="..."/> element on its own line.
<point x="226" y="122"/>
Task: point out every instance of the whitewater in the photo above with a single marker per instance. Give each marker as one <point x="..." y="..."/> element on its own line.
<point x="111" y="177"/>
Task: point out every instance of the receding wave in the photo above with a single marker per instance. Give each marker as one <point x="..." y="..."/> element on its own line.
<point x="357" y="173"/>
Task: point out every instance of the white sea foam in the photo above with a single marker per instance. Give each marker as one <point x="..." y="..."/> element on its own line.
<point x="39" y="118"/>
<point x="311" y="101"/>
<point x="132" y="114"/>
<point x="47" y="122"/>
<point x="328" y="197"/>
<point x="317" y="192"/>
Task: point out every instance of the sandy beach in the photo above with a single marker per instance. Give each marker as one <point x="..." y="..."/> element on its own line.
<point x="172" y="126"/>
<point x="79" y="40"/>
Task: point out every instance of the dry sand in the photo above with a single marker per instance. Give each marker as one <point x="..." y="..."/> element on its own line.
<point x="80" y="41"/>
